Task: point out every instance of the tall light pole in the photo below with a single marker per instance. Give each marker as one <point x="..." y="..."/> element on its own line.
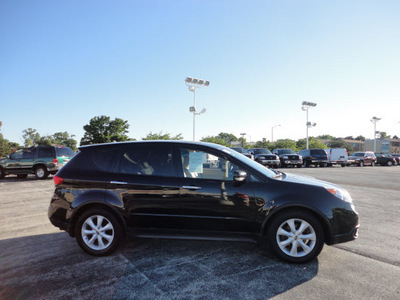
<point x="272" y="132"/>
<point x="193" y="84"/>
<point x="374" y="120"/>
<point x="305" y="107"/>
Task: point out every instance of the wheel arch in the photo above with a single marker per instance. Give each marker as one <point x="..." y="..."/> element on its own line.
<point x="327" y="229"/>
<point x="94" y="205"/>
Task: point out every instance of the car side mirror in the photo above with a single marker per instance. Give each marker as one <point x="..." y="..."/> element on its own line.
<point x="239" y="176"/>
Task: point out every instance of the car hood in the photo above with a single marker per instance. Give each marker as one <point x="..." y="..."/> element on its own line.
<point x="309" y="180"/>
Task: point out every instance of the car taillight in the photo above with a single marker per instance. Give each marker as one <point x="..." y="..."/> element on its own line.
<point x="55" y="160"/>
<point x="58" y="180"/>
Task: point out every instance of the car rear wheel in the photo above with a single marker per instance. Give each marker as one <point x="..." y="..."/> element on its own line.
<point x="98" y="232"/>
<point x="41" y="172"/>
<point x="296" y="237"/>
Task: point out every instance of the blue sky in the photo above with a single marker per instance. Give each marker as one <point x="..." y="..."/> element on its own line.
<point x="64" y="62"/>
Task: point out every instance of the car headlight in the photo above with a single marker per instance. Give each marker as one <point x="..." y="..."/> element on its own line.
<point x="342" y="194"/>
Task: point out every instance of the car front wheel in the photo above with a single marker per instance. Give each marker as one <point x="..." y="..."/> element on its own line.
<point x="296" y="237"/>
<point x="1" y="173"/>
<point x="98" y="232"/>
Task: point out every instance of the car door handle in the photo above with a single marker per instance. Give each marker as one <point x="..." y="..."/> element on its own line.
<point x="191" y="187"/>
<point x="118" y="182"/>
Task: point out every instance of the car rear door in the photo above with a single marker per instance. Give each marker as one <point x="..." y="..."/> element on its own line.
<point x="147" y="183"/>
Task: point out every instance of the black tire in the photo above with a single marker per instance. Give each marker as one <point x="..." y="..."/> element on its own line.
<point x="300" y="249"/>
<point x="299" y="166"/>
<point x="22" y="176"/>
<point x="41" y="172"/>
<point x="104" y="238"/>
<point x="343" y="165"/>
<point x="2" y="175"/>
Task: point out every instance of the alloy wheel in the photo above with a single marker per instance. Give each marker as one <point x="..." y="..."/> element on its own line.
<point x="296" y="237"/>
<point x="97" y="232"/>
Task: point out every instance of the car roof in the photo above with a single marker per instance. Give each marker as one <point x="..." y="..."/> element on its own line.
<point x="152" y="142"/>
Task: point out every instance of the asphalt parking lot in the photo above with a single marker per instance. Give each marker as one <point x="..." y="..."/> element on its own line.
<point x="37" y="261"/>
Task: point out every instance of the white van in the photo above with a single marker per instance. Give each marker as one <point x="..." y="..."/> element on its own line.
<point x="337" y="156"/>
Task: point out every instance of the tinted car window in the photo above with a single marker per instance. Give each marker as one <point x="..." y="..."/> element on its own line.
<point x="104" y="159"/>
<point x="318" y="151"/>
<point x="28" y="153"/>
<point x="199" y="164"/>
<point x="147" y="161"/>
<point x="64" y="152"/>
<point x="262" y="151"/>
<point x="45" y="152"/>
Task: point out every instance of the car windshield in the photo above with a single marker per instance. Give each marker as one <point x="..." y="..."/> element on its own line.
<point x="253" y="164"/>
<point x="262" y="151"/>
<point x="286" y="151"/>
<point x="358" y="154"/>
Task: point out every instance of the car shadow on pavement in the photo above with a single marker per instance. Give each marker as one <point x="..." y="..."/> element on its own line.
<point x="52" y="266"/>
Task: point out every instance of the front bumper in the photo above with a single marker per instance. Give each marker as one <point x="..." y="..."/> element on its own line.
<point x="269" y="162"/>
<point x="292" y="162"/>
<point x="342" y="238"/>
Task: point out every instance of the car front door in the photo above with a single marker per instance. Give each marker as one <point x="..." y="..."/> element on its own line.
<point x="13" y="165"/>
<point x="210" y="198"/>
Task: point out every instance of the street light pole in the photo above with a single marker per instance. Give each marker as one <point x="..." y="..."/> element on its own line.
<point x="272" y="132"/>
<point x="305" y="107"/>
<point x="374" y="120"/>
<point x="194" y="83"/>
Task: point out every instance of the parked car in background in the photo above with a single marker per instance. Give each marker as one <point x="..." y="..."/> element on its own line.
<point x="169" y="189"/>
<point x="366" y="158"/>
<point x="41" y="161"/>
<point x="265" y="157"/>
<point x="396" y="157"/>
<point x="315" y="157"/>
<point x="288" y="157"/>
<point x="337" y="156"/>
<point x="385" y="159"/>
<point x="243" y="151"/>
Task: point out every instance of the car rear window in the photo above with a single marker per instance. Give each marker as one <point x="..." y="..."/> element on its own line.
<point x="103" y="159"/>
<point x="318" y="151"/>
<point x="64" y="152"/>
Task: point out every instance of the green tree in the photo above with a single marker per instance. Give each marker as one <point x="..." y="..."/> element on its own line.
<point x="161" y="136"/>
<point x="360" y="138"/>
<point x="312" y="143"/>
<point x="215" y="140"/>
<point x="326" y="137"/>
<point x="384" y="135"/>
<point x="5" y="147"/>
<point x="286" y="144"/>
<point x="263" y="144"/>
<point x="63" y="138"/>
<point x="103" y="130"/>
<point x="337" y="143"/>
<point x="31" y="137"/>
<point x="227" y="137"/>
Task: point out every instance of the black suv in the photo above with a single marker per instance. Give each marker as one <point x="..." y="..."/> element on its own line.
<point x="385" y="159"/>
<point x="265" y="157"/>
<point x="176" y="189"/>
<point x="288" y="157"/>
<point x="41" y="161"/>
<point x="315" y="157"/>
